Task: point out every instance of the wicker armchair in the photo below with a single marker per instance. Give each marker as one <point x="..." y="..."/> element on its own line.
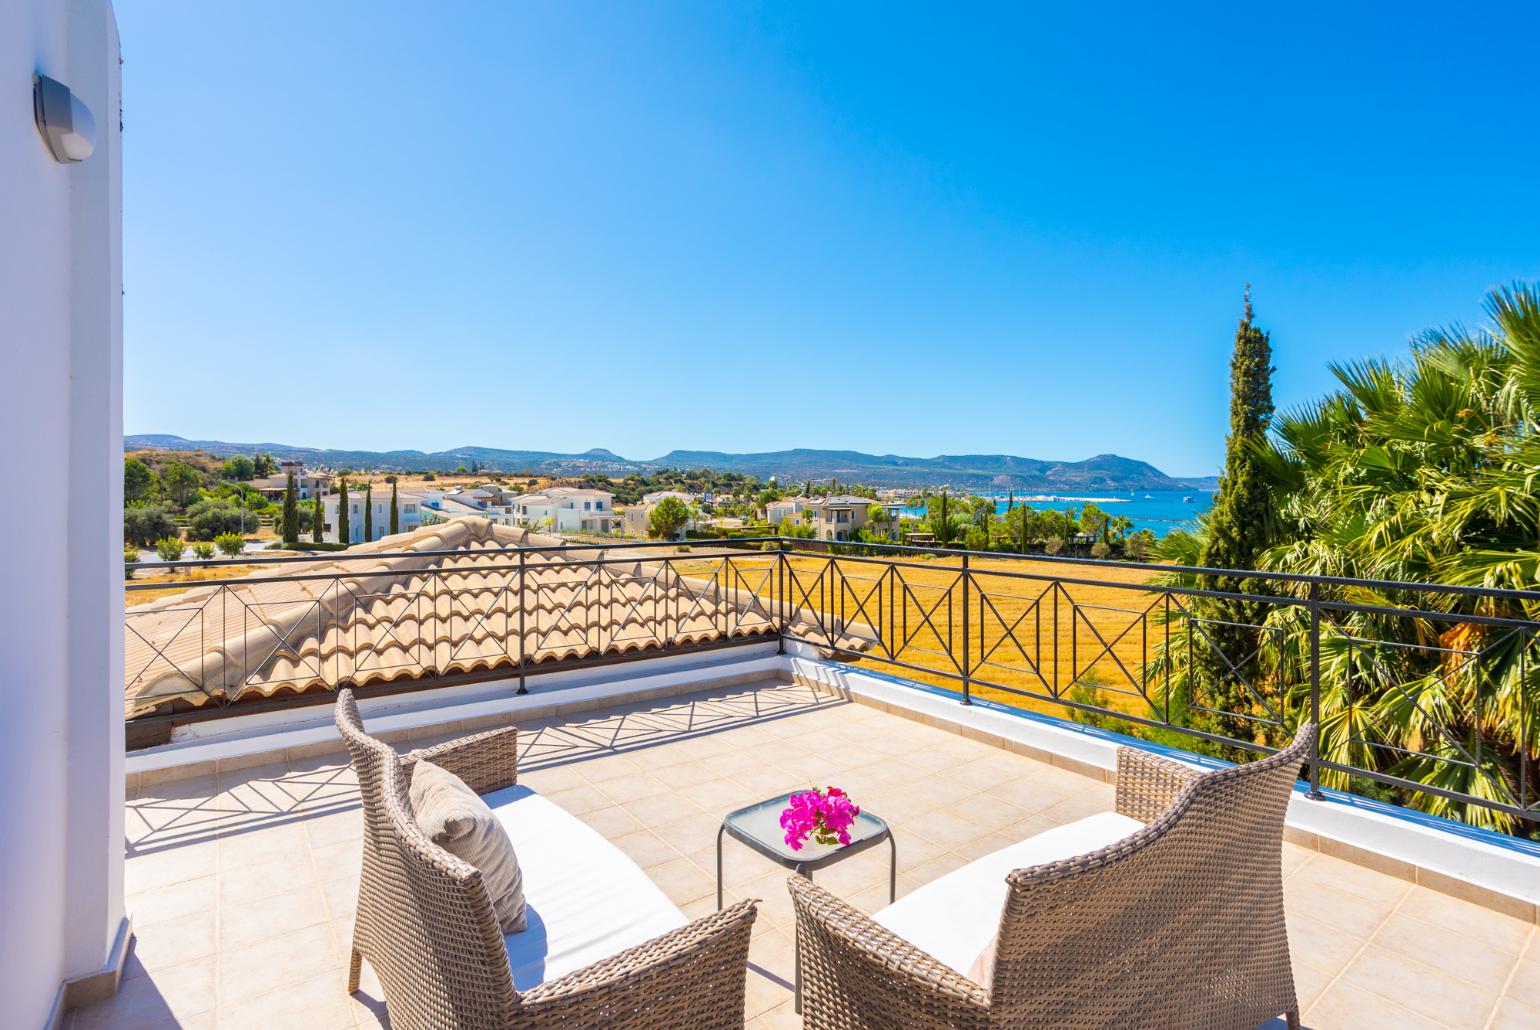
<point x="1180" y="924"/>
<point x="426" y="924"/>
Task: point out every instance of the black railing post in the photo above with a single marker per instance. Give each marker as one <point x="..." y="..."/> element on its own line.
<point x="967" y="650"/>
<point x="778" y="587"/>
<point x="523" y="608"/>
<point x="1315" y="692"/>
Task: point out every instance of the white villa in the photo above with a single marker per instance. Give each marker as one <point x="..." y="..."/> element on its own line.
<point x="837" y="518"/>
<point x="410" y="504"/>
<point x="785" y="508"/>
<point x="306" y="483"/>
<point x="566" y="510"/>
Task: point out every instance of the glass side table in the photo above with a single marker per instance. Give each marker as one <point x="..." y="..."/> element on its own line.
<point x="759" y="827"/>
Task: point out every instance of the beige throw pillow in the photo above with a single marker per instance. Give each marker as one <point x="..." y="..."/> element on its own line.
<point x="982" y="972"/>
<point x="451" y="815"/>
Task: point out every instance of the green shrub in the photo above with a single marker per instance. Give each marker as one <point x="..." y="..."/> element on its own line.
<point x="130" y="559"/>
<point x="230" y="544"/>
<point x="169" y="548"/>
<point x="1100" y="549"/>
<point x="203" y="550"/>
<point x="147" y="524"/>
<point x="210" y="519"/>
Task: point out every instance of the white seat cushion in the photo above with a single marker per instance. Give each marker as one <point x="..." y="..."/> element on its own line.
<point x="954" y="917"/>
<point x="584" y="898"/>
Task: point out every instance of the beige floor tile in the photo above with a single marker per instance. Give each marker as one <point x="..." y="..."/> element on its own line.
<point x="552" y="778"/>
<point x="181" y="995"/>
<point x="1514" y="1015"/>
<point x="1525" y="985"/>
<point x="251" y="883"/>
<point x="977" y="847"/>
<point x="1294" y="858"/>
<point x="1320" y="946"/>
<point x="345" y="827"/>
<point x="613" y="821"/>
<point x="914" y="851"/>
<point x="1309" y="984"/>
<point x="633" y="788"/>
<point x="1352" y="879"/>
<point x="764" y="993"/>
<point x="580" y="800"/>
<point x="936" y="868"/>
<point x="336" y="860"/>
<point x="717" y="795"/>
<point x="660" y="809"/>
<point x="1481" y="962"/>
<point x="1344" y="1006"/>
<point x="689" y="833"/>
<point x="1420" y="987"/>
<point x="646" y="848"/>
<point x="773" y="953"/>
<point x="172" y="864"/>
<point x="244" y="925"/>
<point x="1350" y="913"/>
<point x="341" y="894"/>
<point x="682" y="881"/>
<point x="269" y="847"/>
<point x="269" y="965"/>
<point x="195" y="897"/>
<point x="319" y="1003"/>
<point x="782" y="1017"/>
<point x="173" y="942"/>
<point x="1465" y="918"/>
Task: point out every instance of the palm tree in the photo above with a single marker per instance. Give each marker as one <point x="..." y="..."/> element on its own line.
<point x="1424" y="470"/>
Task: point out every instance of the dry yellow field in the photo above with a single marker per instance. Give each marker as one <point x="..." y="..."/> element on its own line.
<point x="1032" y="634"/>
<point x="177" y="582"/>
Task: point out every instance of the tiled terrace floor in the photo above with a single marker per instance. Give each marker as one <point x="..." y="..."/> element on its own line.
<point x="242" y="886"/>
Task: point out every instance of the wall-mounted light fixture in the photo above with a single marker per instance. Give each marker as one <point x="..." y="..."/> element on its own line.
<point x="64" y="121"/>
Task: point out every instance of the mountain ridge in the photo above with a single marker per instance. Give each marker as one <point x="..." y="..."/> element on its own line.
<point x="971" y="471"/>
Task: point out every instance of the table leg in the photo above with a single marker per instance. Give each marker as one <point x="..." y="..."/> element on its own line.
<point x="719" y="865"/>
<point x="892" y="869"/>
<point x="796" y="955"/>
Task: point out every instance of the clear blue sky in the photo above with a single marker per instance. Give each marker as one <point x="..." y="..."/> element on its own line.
<point x="721" y="226"/>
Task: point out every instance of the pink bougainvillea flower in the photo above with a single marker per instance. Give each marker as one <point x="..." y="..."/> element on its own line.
<point x="826" y="816"/>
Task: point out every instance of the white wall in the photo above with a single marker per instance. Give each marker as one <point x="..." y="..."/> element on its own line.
<point x="61" y="666"/>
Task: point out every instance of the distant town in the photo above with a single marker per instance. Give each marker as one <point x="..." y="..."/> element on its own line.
<point x="183" y="501"/>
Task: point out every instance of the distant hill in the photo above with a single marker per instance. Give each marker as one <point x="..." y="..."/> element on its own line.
<point x="964" y="471"/>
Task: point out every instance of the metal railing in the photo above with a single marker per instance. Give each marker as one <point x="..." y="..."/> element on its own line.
<point x="1424" y="692"/>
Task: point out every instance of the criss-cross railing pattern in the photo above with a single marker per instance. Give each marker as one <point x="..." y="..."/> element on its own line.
<point x="221" y="643"/>
<point x="1418" y="689"/>
<point x="1151" y="657"/>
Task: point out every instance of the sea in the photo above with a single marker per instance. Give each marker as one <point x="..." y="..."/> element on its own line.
<point x="1159" y="511"/>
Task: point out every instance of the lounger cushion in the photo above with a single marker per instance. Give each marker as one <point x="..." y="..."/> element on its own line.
<point x="456" y="819"/>
<point x="955" y="917"/>
<point x="584" y="898"/>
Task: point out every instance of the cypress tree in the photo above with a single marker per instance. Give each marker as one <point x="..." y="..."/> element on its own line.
<point x="318" y="519"/>
<point x="290" y="512"/>
<point x="1239" y="525"/>
<point x="368" y="512"/>
<point x="395" y="512"/>
<point x="344" y="531"/>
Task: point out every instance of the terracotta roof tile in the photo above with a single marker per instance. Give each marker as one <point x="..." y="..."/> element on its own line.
<point x="312" y="626"/>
